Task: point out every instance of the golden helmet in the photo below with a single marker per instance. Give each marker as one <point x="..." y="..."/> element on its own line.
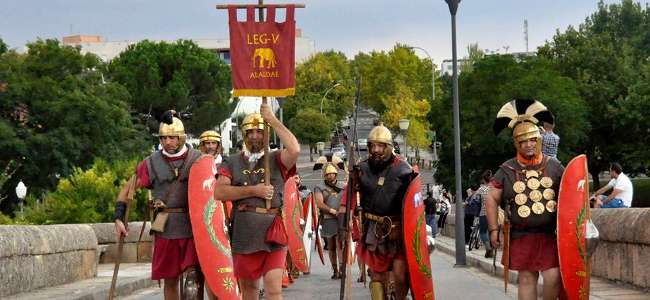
<point x="330" y="164"/>
<point x="380" y="134"/>
<point x="252" y="121"/>
<point x="172" y="126"/>
<point x="330" y="169"/>
<point x="523" y="116"/>
<point x="210" y="135"/>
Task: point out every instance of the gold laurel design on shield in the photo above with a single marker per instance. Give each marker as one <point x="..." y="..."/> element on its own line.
<point x="538" y="208"/>
<point x="521" y="199"/>
<point x="519" y="187"/>
<point x="533" y="183"/>
<point x="523" y="211"/>
<point x="551" y="206"/>
<point x="546" y="182"/>
<point x="535" y="195"/>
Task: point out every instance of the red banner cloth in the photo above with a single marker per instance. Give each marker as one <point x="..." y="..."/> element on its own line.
<point x="263" y="53"/>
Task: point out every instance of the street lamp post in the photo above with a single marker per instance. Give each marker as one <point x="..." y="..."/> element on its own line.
<point x="21" y="192"/>
<point x="460" y="214"/>
<point x="433" y="72"/>
<point x="325" y="95"/>
<point x="404" y="127"/>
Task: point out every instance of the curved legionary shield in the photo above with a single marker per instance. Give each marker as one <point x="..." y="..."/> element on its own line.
<point x="415" y="242"/>
<point x="309" y="235"/>
<point x="291" y="213"/>
<point x="572" y="217"/>
<point x="210" y="231"/>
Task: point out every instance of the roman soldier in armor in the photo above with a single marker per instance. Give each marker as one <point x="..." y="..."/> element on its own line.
<point x="210" y="143"/>
<point x="526" y="187"/>
<point x="166" y="173"/>
<point x="256" y="206"/>
<point x="383" y="179"/>
<point x="328" y="200"/>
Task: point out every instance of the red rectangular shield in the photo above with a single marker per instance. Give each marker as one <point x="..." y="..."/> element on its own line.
<point x="262" y="53"/>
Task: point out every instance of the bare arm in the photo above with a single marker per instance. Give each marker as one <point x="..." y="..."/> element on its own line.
<point x="613" y="195"/>
<point x="320" y="203"/>
<point x="492" y="213"/>
<point x="291" y="146"/>
<point x="602" y="190"/>
<point x="126" y="193"/>
<point x="225" y="191"/>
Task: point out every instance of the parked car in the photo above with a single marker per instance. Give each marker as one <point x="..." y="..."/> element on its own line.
<point x="339" y="150"/>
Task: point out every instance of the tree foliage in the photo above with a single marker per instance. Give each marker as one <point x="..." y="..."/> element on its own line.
<point x="86" y="196"/>
<point x="160" y="76"/>
<point x="310" y="126"/>
<point x="607" y="57"/>
<point x="3" y="47"/>
<point x="383" y="73"/>
<point x="57" y="113"/>
<point x="403" y="105"/>
<point x="493" y="81"/>
<point x="314" y="78"/>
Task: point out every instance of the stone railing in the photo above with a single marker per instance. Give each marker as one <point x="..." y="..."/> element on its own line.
<point x="624" y="250"/>
<point x="131" y="252"/>
<point x="33" y="257"/>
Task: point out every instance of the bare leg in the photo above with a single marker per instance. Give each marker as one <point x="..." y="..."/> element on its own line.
<point x="273" y="284"/>
<point x="527" y="285"/>
<point x="383" y="277"/>
<point x="399" y="275"/>
<point x="170" y="288"/>
<point x="552" y="283"/>
<point x="250" y="288"/>
<point x="332" y="251"/>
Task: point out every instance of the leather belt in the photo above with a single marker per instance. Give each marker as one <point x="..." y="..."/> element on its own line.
<point x="382" y="219"/>
<point x="178" y="210"/>
<point x="259" y="210"/>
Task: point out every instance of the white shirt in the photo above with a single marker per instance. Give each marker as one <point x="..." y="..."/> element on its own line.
<point x="623" y="183"/>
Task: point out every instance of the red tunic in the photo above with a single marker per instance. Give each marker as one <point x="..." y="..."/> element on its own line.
<point x="170" y="256"/>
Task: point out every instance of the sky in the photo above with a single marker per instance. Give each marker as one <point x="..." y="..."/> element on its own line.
<point x="349" y="26"/>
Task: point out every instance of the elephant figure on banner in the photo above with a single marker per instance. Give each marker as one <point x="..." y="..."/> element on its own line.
<point x="266" y="55"/>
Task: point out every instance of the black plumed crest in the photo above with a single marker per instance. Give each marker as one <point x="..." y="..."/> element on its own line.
<point x="168" y="117"/>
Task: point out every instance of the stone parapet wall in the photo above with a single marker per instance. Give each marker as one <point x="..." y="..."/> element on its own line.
<point x="624" y="250"/>
<point x="132" y="252"/>
<point x="33" y="257"/>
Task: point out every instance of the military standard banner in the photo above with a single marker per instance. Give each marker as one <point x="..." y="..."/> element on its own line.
<point x="262" y="53"/>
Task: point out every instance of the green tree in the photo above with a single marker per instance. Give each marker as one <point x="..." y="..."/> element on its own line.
<point x="606" y="57"/>
<point x="57" y="114"/>
<point x="495" y="80"/>
<point x="160" y="76"/>
<point x="310" y="127"/>
<point x="474" y="54"/>
<point x="403" y="105"/>
<point x="3" y="47"/>
<point x="87" y="196"/>
<point x="314" y="78"/>
<point x="384" y="72"/>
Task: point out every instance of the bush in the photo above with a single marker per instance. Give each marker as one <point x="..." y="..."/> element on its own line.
<point x="641" y="192"/>
<point x="86" y="196"/>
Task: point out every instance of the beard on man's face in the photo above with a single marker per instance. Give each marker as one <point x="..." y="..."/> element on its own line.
<point x="255" y="146"/>
<point x="330" y="181"/>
